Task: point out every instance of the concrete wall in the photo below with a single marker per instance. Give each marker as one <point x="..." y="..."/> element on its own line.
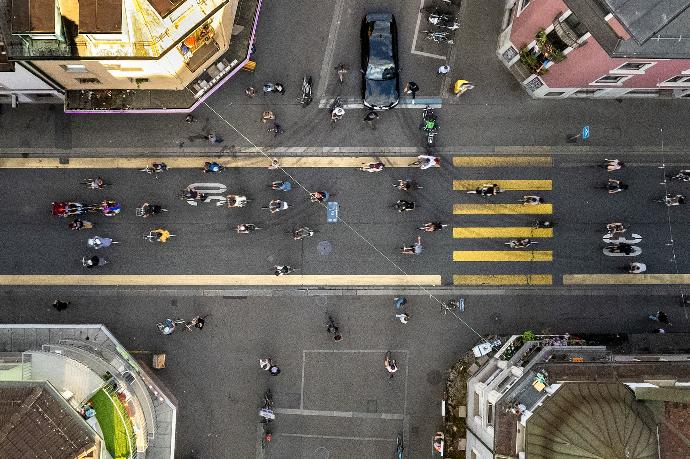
<point x="22" y="86"/>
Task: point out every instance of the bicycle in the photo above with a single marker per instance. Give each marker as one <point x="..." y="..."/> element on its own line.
<point x="333" y="329"/>
<point x="155" y="169"/>
<point x="453" y="306"/>
<point x="341" y="69"/>
<point x="399" y="447"/>
<point x="301" y="233"/>
<point x="246" y="228"/>
<point x="155" y="236"/>
<point x="94" y="183"/>
<point x="168" y="326"/>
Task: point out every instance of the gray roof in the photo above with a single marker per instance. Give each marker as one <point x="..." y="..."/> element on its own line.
<point x="660" y="29"/>
<point x="587" y="420"/>
<point x="644" y="18"/>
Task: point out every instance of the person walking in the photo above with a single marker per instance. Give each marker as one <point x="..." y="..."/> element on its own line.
<point x="403" y="317"/>
<point x="276" y="129"/>
<point x="333" y="329"/>
<point x="279" y="88"/>
<point x="265" y="364"/>
<point x="370" y="118"/>
<point x="60" y="305"/>
<point x="274" y="370"/>
<point x="250" y="91"/>
<point x="399" y="301"/>
<point x="411" y="88"/>
<point x="443" y="70"/>
<point x="214" y="139"/>
<point x="390" y="364"/>
<point x="661" y="317"/>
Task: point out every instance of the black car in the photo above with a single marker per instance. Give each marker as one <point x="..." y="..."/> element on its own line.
<point x="380" y="81"/>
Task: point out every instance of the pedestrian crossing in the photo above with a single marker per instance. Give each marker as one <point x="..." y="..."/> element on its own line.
<point x="489" y="221"/>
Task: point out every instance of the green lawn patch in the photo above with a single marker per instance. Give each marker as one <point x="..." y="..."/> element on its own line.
<point x="110" y="414"/>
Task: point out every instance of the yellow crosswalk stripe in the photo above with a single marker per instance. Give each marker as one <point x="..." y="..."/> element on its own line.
<point x="503" y="279"/>
<point x="502" y="255"/>
<point x="501" y="209"/>
<point x="501" y="232"/>
<point x="626" y="279"/>
<point x="502" y="161"/>
<point x="469" y="185"/>
<point x="221" y="280"/>
<point x="197" y="162"/>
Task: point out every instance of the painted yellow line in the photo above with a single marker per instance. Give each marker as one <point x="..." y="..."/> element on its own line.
<point x="501" y="232"/>
<point x="198" y="162"/>
<point x="220" y="280"/>
<point x="468" y="185"/>
<point x="501" y="279"/>
<point x="625" y="279"/>
<point x="502" y="255"/>
<point x="502" y="161"/>
<point x="501" y="209"/>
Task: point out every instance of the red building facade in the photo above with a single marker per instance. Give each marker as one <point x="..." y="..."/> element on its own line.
<point x="597" y="48"/>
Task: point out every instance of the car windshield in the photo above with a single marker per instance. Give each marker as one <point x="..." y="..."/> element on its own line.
<point x="381" y="65"/>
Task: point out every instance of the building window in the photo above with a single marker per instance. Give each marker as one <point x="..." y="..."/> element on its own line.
<point x="586" y="92"/>
<point x="138" y="81"/>
<point x="473" y="454"/>
<point x="475" y="408"/>
<point x="633" y="67"/>
<point x="88" y="81"/>
<point x="490" y="414"/>
<point x="554" y="94"/>
<point x="643" y="92"/>
<point x="679" y="79"/>
<point x="75" y="68"/>
<point x="523" y="5"/>
<point x="612" y="79"/>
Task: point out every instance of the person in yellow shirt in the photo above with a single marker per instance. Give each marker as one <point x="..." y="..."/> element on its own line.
<point x="162" y="235"/>
<point x="461" y="87"/>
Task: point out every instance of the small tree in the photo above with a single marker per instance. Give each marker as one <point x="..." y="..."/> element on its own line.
<point x="528" y="336"/>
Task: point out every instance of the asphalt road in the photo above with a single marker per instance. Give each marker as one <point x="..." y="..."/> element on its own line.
<point x="369" y="240"/>
<point x="215" y="375"/>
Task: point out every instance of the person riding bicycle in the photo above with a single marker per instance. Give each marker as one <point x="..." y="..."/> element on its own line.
<point x="627" y="249"/>
<point x="159" y="167"/>
<point x="405" y="185"/>
<point x="337" y="114"/>
<point x="97" y="183"/>
<point x="373" y="167"/>
<point x="532" y="200"/>
<point x="235" y="200"/>
<point x="282" y="270"/>
<point x="277" y="205"/>
<point x="415" y="249"/>
<point x="73" y="208"/>
<point x="319" y="196"/>
<point x="683" y="175"/>
<point x="615" y="186"/>
<point x="110" y="208"/>
<point x="212" y="167"/>
<point x="430" y="227"/>
<point x="93" y="261"/>
<point x="488" y="190"/>
<point x="391" y="365"/>
<point x="674" y="200"/>
<point x="150" y="209"/>
<point x="302" y="232"/>
<point x="194" y="195"/>
<point x="78" y="224"/>
<point x="403" y="205"/>
<point x="245" y="228"/>
<point x="520" y="243"/>
<point x="637" y="267"/>
<point x="614" y="228"/>
<point x="160" y="235"/>
<point x="613" y="164"/>
<point x="282" y="186"/>
<point x="427" y="161"/>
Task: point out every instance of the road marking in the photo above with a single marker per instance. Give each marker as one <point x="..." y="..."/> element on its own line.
<point x="501" y="209"/>
<point x="625" y="279"/>
<point x="197" y="162"/>
<point x="212" y="279"/>
<point x="327" y="62"/>
<point x="503" y="279"/>
<point x="471" y="185"/>
<point x="502" y="161"/>
<point x="337" y="414"/>
<point x="502" y="255"/>
<point x="501" y="232"/>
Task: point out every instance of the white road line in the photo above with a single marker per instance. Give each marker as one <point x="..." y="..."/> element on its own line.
<point x="301" y="390"/>
<point x="337" y="437"/>
<point x="435" y="56"/>
<point x="327" y="63"/>
<point x="338" y="414"/>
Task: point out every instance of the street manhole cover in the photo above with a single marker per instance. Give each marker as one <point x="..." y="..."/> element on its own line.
<point x="324" y="248"/>
<point x="434" y="377"/>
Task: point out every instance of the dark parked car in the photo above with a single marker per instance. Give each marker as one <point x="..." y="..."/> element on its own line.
<point x="380" y="82"/>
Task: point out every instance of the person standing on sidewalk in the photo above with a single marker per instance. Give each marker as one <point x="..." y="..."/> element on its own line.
<point x="60" y="305"/>
<point x="443" y="70"/>
<point x="403" y="317"/>
<point x="411" y="88"/>
<point x="661" y="317"/>
<point x="399" y="302"/>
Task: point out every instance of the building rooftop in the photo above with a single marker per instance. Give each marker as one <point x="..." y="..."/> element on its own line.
<point x="658" y="29"/>
<point x="35" y="421"/>
<point x="592" y="419"/>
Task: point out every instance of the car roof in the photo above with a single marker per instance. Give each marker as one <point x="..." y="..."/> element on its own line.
<point x="386" y="17"/>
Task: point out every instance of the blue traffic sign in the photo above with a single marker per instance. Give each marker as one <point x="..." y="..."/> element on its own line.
<point x="332" y="212"/>
<point x="585" y="133"/>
